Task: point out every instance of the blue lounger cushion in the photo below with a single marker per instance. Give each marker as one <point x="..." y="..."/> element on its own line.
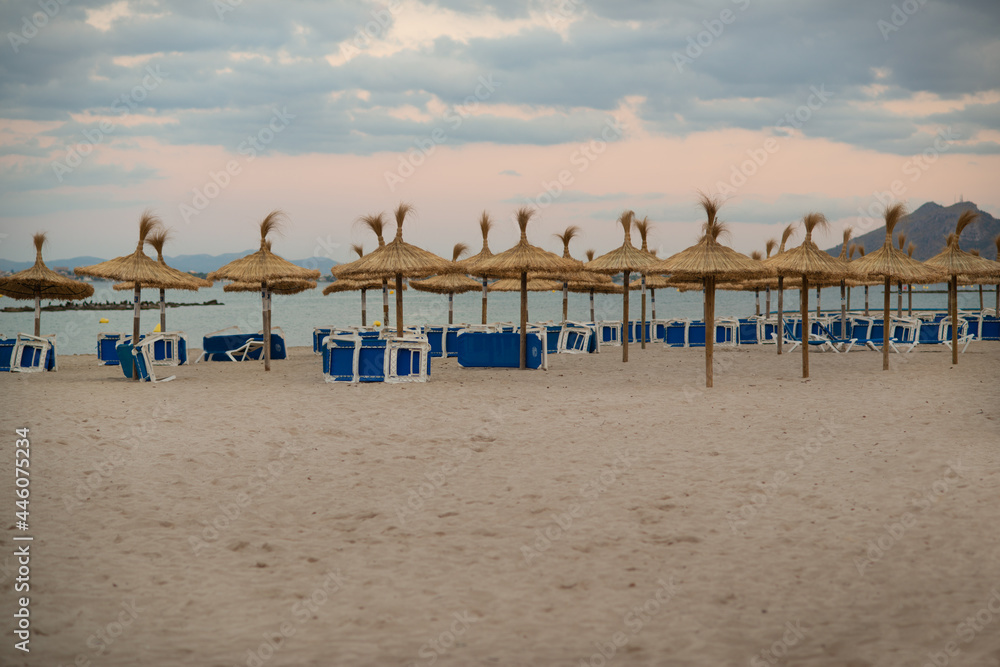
<point x="215" y="347"/>
<point x="497" y="350"/>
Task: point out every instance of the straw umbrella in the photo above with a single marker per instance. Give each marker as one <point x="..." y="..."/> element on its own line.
<point x="901" y="240"/>
<point x="519" y="261"/>
<point x="470" y="263"/>
<point x="347" y="285"/>
<point x="535" y="284"/>
<point x="888" y="264"/>
<point x="643" y="227"/>
<point x="768" y="249"/>
<point x="624" y="259"/>
<point x="264" y="268"/>
<point x="955" y="262"/>
<point x="138" y="269"/>
<point x="156" y="240"/>
<point x="590" y="282"/>
<point x="290" y="286"/>
<point x="565" y="237"/>
<point x="40" y="281"/>
<point x="909" y="288"/>
<point x="449" y="283"/>
<point x="785" y="235"/>
<point x="808" y="261"/>
<point x="709" y="261"/>
<point x="397" y="259"/>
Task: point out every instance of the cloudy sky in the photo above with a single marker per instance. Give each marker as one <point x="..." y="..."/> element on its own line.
<point x="212" y="113"/>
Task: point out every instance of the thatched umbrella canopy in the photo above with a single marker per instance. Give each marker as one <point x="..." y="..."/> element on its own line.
<point x="590" y="282"/>
<point x="889" y="263"/>
<point x="398" y="259"/>
<point x="624" y="259"/>
<point x="276" y="287"/>
<point x="449" y="283"/>
<point x="779" y="282"/>
<point x="156" y="240"/>
<point x="519" y="261"/>
<point x="39" y="281"/>
<point x="264" y="268"/>
<point x="954" y="262"/>
<point x="376" y="224"/>
<point x="138" y="269"/>
<point x="470" y="264"/>
<point x="568" y="277"/>
<point x="535" y="284"/>
<point x="810" y="263"/>
<point x="351" y="285"/>
<point x="710" y="261"/>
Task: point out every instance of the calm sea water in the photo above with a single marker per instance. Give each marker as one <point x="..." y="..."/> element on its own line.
<point x="297" y="314"/>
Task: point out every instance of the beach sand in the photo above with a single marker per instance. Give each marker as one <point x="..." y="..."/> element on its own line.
<point x="495" y="517"/>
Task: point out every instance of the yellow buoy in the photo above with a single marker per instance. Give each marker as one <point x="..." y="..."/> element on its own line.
<point x="157" y="329"/>
<point x="377" y="323"/>
<point x="103" y="320"/>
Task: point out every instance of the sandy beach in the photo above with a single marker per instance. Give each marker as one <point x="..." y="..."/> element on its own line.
<point x="598" y="513"/>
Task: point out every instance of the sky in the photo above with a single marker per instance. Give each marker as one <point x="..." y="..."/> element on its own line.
<point x="214" y="112"/>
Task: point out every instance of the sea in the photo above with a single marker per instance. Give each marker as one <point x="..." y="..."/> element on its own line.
<point x="297" y="315"/>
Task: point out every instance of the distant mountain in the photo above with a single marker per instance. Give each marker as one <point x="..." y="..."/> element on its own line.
<point x="196" y="263"/>
<point x="928" y="228"/>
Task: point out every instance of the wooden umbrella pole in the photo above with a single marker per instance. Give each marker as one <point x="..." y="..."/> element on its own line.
<point x="266" y="306"/>
<point x="909" y="300"/>
<point x="385" y="302"/>
<point x="451" y="307"/>
<point x="899" y="299"/>
<point x="592" y="305"/>
<point x="484" y="300"/>
<point x="643" y="311"/>
<point x="781" y="322"/>
<point x="848" y="298"/>
<point x="652" y="303"/>
<point x="953" y="293"/>
<point x="756" y="298"/>
<point x="767" y="302"/>
<point x="135" y="325"/>
<point x="625" y="318"/>
<point x="804" y="294"/>
<point x="364" y="308"/>
<point x="981" y="304"/>
<point x="524" y="320"/>
<point x="709" y="328"/>
<point x="866" y="300"/>
<point x="38" y="312"/>
<point x="818" y="310"/>
<point x="565" y="301"/>
<point x="399" y="305"/>
<point x="163" y="310"/>
<point x="843" y="309"/>
<point x="886" y="306"/>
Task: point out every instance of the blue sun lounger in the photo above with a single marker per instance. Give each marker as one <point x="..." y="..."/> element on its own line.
<point x="354" y="358"/>
<point x="28" y="354"/>
<point x="240" y="347"/>
<point x="500" y="350"/>
<point x="107" y="343"/>
<point x="989" y="325"/>
<point x="142" y="356"/>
